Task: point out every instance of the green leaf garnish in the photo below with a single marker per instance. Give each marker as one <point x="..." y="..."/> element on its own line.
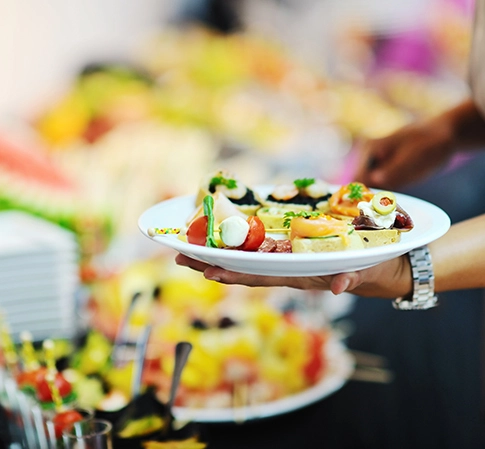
<point x="303" y="213"/>
<point x="355" y="191"/>
<point x="209" y="212"/>
<point x="222" y="181"/>
<point x="303" y="182"/>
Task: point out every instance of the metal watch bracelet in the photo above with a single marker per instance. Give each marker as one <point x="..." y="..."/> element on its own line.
<point x="423" y="296"/>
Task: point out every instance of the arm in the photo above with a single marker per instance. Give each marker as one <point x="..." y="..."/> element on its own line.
<point x="417" y="150"/>
<point x="458" y="260"/>
<point x="459" y="256"/>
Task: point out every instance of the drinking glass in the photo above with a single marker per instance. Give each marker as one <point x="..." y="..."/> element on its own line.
<point x="88" y="434"/>
<point x="53" y="429"/>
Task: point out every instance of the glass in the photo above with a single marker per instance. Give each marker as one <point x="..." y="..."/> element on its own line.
<point x="53" y="427"/>
<point x="89" y="434"/>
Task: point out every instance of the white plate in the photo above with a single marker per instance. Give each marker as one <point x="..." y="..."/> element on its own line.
<point x="430" y="223"/>
<point x="340" y="368"/>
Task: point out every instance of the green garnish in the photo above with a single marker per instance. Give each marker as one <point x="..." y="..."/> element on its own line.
<point x="221" y="181"/>
<point x="355" y="191"/>
<point x="209" y="212"/>
<point x="303" y="183"/>
<point x="303" y="213"/>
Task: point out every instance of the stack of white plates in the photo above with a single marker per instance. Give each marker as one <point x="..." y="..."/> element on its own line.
<point x="39" y="276"/>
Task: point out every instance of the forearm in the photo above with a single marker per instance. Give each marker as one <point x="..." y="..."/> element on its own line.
<point x="459" y="256"/>
<point x="468" y="125"/>
<point x="458" y="261"/>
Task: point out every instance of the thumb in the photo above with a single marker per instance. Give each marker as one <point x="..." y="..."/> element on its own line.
<point x="341" y="282"/>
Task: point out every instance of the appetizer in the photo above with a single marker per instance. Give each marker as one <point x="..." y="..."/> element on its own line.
<point x="51" y="386"/>
<point x="273" y="217"/>
<point x="303" y="217"/>
<point x="234" y="231"/>
<point x="222" y="209"/>
<point x="244" y="198"/>
<point x="344" y="202"/>
<point x="315" y="232"/>
<point x="381" y="220"/>
<point x="302" y="194"/>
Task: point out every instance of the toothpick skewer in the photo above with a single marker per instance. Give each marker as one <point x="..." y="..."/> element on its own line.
<point x="152" y="232"/>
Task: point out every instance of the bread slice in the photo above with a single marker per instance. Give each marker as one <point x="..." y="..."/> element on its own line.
<point x="326" y="244"/>
<point x="373" y="238"/>
<point x="248" y="209"/>
<point x="324" y="207"/>
<point x="272" y="217"/>
<point x="295" y="207"/>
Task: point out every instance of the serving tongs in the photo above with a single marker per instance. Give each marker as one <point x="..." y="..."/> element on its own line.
<point x="144" y="404"/>
<point x="371" y="368"/>
<point x="119" y="351"/>
<point x="182" y="351"/>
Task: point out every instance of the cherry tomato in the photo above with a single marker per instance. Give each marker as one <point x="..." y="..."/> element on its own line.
<point x="43" y="389"/>
<point x="27" y="379"/>
<point x="256" y="234"/>
<point x="64" y="420"/>
<point x="197" y="231"/>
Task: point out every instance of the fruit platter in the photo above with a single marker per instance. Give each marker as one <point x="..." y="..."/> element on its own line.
<point x="255" y="353"/>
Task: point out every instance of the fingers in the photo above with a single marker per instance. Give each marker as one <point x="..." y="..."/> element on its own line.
<point x="340" y="283"/>
<point x="372" y="156"/>
<point x="185" y="261"/>
<point x="230" y="277"/>
<point x="250" y="280"/>
<point x="389" y="171"/>
<point x="387" y="280"/>
<point x="345" y="282"/>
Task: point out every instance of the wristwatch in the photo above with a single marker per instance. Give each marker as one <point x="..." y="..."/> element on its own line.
<point x="423" y="296"/>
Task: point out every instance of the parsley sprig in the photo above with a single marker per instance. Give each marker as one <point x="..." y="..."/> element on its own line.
<point x="355" y="191"/>
<point x="303" y="183"/>
<point x="303" y="213"/>
<point x="221" y="180"/>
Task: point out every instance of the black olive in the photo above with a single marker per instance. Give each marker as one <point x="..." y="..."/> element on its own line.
<point x="197" y="323"/>
<point x="226" y="322"/>
<point x="157" y="291"/>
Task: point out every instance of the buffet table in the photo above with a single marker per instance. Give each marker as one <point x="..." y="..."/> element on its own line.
<point x="299" y="120"/>
<point x="423" y="407"/>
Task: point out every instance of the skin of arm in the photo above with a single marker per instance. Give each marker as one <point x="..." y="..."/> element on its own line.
<point x="459" y="256"/>
<point x="419" y="149"/>
<point x="458" y="261"/>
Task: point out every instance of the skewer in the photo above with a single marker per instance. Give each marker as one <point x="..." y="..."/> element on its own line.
<point x="240" y="396"/>
<point x="152" y="232"/>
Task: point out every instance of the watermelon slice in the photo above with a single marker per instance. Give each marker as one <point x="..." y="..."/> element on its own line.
<point x="31" y="182"/>
<point x="27" y="165"/>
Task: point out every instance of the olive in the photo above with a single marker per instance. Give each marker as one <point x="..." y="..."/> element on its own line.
<point x="384" y="202"/>
<point x="197" y="323"/>
<point x="226" y="322"/>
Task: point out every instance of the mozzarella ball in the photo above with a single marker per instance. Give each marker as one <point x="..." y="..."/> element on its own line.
<point x="233" y="231"/>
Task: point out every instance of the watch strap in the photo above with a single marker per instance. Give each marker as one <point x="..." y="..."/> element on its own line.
<point x="423" y="296"/>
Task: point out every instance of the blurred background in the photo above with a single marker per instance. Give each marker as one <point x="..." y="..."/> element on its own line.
<point x="108" y="107"/>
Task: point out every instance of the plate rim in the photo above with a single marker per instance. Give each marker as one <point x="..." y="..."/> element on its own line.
<point x="342" y="365"/>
